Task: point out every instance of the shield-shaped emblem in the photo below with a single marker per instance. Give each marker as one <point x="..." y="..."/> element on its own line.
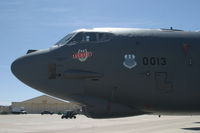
<point x="82" y="58"/>
<point x="129" y="61"/>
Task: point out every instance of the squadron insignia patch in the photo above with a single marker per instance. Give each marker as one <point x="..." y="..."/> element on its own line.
<point x="129" y="61"/>
<point x="82" y="55"/>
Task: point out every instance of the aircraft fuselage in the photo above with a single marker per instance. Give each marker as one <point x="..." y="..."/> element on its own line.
<point x="125" y="72"/>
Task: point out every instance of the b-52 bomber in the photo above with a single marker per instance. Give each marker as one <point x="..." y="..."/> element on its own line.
<point x="118" y="72"/>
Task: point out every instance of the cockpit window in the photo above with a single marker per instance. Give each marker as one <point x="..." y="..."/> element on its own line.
<point x="90" y="37"/>
<point x="81" y="37"/>
<point x="76" y="39"/>
<point x="104" y="36"/>
<point x="65" y="40"/>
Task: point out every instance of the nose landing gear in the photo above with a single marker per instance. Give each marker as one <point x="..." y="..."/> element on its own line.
<point x="70" y="115"/>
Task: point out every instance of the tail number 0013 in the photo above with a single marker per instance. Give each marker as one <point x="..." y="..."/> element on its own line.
<point x="154" y="61"/>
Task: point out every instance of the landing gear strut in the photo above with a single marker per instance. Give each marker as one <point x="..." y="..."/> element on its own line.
<point x="70" y="115"/>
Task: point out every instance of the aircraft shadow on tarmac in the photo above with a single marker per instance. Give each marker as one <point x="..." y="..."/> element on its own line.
<point x="193" y="128"/>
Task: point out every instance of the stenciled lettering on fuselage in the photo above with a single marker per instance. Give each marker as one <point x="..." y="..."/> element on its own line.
<point x="154" y="61"/>
<point x="82" y="55"/>
<point x="129" y="61"/>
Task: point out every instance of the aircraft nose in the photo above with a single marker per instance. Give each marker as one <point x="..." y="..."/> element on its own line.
<point x="18" y="67"/>
<point x="15" y="67"/>
<point x="30" y="69"/>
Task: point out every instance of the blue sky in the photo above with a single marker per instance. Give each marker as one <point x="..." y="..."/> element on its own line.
<point x="38" y="24"/>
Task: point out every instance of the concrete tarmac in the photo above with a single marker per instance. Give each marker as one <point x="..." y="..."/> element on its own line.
<point x="139" y="124"/>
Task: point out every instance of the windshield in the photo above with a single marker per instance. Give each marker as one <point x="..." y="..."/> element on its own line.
<point x="76" y="39"/>
<point x="65" y="40"/>
<point x="89" y="37"/>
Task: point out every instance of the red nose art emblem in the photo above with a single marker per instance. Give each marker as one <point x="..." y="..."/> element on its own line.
<point x="82" y="55"/>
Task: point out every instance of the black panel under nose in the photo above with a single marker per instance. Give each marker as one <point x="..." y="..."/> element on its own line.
<point x="52" y="71"/>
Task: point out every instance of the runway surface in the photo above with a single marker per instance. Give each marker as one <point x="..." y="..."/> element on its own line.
<point x="138" y="124"/>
